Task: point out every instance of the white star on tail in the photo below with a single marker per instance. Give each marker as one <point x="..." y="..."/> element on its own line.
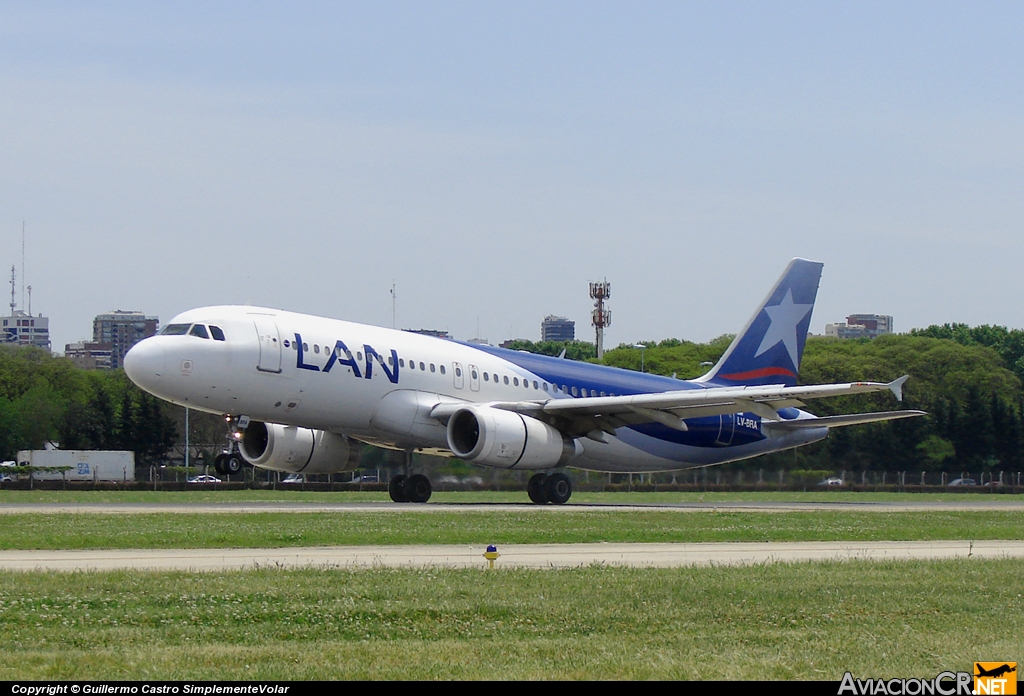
<point x="784" y="317"/>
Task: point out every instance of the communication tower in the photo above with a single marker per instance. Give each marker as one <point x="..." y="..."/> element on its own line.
<point x="601" y="317"/>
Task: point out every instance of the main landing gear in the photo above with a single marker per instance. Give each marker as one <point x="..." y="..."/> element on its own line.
<point x="409" y="489"/>
<point x="549" y="488"/>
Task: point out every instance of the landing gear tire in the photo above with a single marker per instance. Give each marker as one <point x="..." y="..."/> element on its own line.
<point x="218" y="464"/>
<point x="535" y="489"/>
<point x="558" y="488"/>
<point x="417" y="489"/>
<point x="232" y="464"/>
<point x="396" y="489"/>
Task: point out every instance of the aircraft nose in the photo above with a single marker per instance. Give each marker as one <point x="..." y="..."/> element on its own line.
<point x="144" y="364"/>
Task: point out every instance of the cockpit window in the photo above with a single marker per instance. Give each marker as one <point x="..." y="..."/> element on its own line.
<point x="175" y="330"/>
<point x="199" y="330"/>
<point x="217" y="334"/>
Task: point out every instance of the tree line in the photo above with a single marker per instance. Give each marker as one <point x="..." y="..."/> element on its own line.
<point x="48" y="399"/>
<point x="968" y="379"/>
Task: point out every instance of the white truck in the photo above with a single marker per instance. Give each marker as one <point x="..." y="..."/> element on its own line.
<point x="85" y="465"/>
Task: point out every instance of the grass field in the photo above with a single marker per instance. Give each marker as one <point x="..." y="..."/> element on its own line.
<point x="774" y="621"/>
<point x="529" y="526"/>
<point x="777" y="621"/>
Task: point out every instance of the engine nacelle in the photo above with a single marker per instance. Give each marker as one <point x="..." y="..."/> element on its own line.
<point x="499" y="438"/>
<point x="297" y="450"/>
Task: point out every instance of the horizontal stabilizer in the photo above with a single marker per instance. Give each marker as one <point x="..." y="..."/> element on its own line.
<point x="839" y="421"/>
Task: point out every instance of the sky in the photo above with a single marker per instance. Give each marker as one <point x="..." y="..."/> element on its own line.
<point x="490" y="159"/>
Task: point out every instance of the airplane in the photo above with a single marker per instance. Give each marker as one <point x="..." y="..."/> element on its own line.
<point x="306" y="392"/>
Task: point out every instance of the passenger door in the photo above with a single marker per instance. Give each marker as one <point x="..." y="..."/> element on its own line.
<point x="270" y="344"/>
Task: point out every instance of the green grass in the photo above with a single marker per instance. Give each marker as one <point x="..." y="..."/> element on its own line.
<point x="516" y="496"/>
<point x="528" y="526"/>
<point x="775" y="621"/>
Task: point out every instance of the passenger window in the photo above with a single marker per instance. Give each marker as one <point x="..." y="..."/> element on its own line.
<point x="316" y="348"/>
<point x="473" y="374"/>
<point x="359" y="355"/>
<point x="458" y="371"/>
<point x="515" y="381"/>
<point x="305" y="346"/>
<point x="199" y="330"/>
<point x="391" y="360"/>
<point x="442" y="369"/>
<point x="218" y="335"/>
<point x="401" y="362"/>
<point x="412" y="364"/>
<point x="506" y="379"/>
<point x="574" y="392"/>
<point x="422" y="366"/>
<point x="487" y="377"/>
<point x="535" y="384"/>
<point x="432" y="368"/>
<point x="544" y="386"/>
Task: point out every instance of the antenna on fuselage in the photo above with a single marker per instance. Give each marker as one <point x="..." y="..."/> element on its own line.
<point x="394" y="301"/>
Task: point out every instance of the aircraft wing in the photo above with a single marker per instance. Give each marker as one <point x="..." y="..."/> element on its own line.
<point x="673" y="408"/>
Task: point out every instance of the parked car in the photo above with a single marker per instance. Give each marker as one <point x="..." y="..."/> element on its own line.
<point x="294" y="478"/>
<point x="963" y="482"/>
<point x="832" y="481"/>
<point x="204" y="479"/>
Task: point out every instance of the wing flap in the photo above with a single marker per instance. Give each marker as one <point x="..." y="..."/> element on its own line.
<point x="839" y="421"/>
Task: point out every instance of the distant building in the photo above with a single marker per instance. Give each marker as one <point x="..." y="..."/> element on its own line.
<point x="479" y="341"/>
<point x="89" y="355"/>
<point x="122" y="330"/>
<point x="557" y="329"/>
<point x="26" y="330"/>
<point x="429" y="332"/>
<point x="861" y="326"/>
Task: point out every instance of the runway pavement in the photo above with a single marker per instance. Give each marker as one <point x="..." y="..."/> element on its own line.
<point x="991" y="503"/>
<point x="519" y="556"/>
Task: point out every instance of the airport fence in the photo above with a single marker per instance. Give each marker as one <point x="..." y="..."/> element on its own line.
<point x="703" y="479"/>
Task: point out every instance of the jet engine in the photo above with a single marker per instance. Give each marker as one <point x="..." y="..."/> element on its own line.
<point x="505" y="439"/>
<point x="297" y="450"/>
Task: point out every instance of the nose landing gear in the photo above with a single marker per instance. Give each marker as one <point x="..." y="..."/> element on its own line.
<point x="230" y="462"/>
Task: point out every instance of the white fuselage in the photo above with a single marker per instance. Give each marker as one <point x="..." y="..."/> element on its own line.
<point x="379" y="386"/>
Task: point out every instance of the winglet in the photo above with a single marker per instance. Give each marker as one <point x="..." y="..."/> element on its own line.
<point x="561" y="356"/>
<point x="896" y="386"/>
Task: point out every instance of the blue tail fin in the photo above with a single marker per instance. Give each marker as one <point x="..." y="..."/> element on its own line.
<point x="769" y="349"/>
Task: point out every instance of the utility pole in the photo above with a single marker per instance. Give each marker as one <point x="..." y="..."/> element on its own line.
<point x="186" y="442"/>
